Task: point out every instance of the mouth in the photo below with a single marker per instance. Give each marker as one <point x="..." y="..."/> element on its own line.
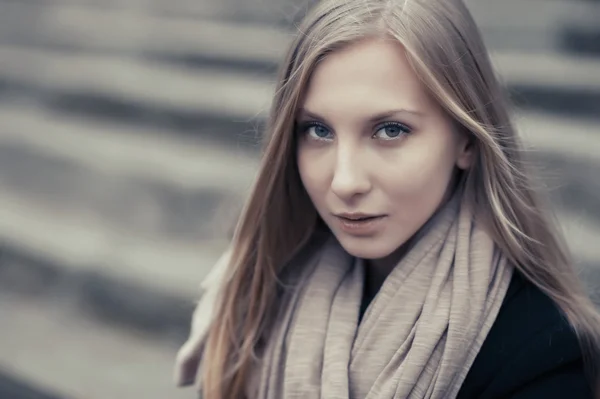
<point x="360" y="224"/>
<point x="357" y="217"/>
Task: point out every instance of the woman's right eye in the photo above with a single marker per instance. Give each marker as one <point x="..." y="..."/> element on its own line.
<point x="317" y="131"/>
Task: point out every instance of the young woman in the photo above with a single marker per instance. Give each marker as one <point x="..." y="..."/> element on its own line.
<point x="392" y="246"/>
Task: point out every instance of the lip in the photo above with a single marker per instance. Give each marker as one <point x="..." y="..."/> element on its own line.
<point x="359" y="224"/>
<point x="356" y="215"/>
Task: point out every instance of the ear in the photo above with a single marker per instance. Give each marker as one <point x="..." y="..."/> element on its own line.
<point x="466" y="151"/>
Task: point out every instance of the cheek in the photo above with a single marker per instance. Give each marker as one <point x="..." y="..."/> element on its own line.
<point x="421" y="173"/>
<point x="313" y="174"/>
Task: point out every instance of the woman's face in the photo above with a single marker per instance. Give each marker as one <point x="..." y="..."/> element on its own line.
<point x="376" y="154"/>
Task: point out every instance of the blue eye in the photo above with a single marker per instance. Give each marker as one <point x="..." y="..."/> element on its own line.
<point x="391" y="131"/>
<point x="317" y="131"/>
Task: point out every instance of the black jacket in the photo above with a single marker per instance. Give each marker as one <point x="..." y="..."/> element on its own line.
<point x="531" y="352"/>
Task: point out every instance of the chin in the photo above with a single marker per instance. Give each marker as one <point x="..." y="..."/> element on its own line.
<point x="367" y="247"/>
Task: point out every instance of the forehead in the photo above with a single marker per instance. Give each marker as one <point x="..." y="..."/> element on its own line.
<point x="373" y="72"/>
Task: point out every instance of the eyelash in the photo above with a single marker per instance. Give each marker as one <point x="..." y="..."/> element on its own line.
<point x="405" y="129"/>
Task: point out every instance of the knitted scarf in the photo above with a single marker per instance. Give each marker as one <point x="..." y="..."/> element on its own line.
<point x="417" y="339"/>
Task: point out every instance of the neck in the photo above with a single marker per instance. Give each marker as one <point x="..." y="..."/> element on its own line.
<point x="377" y="270"/>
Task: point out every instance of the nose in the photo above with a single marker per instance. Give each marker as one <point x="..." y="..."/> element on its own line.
<point x="350" y="178"/>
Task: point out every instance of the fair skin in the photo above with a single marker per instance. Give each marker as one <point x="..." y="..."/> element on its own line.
<point x="372" y="141"/>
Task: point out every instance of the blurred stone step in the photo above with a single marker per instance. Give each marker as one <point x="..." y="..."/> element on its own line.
<point x="580" y="31"/>
<point x="555" y="71"/>
<point x="54" y="344"/>
<point x="12" y="387"/>
<point x="142" y="183"/>
<point x="518" y="13"/>
<point x="126" y="220"/>
<point x="149" y="284"/>
<point x="268" y="12"/>
<point x="506" y="25"/>
<point x="557" y="83"/>
<point x="568" y="136"/>
<point x="565" y="153"/>
<point x="131" y="152"/>
<point x="129" y="31"/>
<point x="524" y="25"/>
<point x="130" y="204"/>
<point x="79" y="27"/>
<point x="143" y="86"/>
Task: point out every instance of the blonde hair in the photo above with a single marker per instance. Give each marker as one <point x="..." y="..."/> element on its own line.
<point x="444" y="46"/>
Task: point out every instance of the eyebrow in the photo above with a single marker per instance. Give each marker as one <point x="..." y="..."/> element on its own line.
<point x="303" y="112"/>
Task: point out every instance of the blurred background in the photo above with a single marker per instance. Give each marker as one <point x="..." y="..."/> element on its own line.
<point x="128" y="126"/>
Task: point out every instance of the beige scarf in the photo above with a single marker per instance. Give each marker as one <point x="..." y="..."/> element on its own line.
<point x="418" y="337"/>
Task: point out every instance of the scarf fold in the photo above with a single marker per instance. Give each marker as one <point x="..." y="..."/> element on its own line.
<point x="417" y="339"/>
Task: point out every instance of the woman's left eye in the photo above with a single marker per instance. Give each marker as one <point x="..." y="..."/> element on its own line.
<point x="391" y="131"/>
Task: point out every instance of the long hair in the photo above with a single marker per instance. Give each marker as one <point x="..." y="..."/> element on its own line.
<point x="445" y="48"/>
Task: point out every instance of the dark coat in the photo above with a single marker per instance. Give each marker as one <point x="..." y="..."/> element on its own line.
<point x="530" y="352"/>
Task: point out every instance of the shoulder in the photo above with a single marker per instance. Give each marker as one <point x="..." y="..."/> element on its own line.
<point x="189" y="355"/>
<point x="530" y="352"/>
